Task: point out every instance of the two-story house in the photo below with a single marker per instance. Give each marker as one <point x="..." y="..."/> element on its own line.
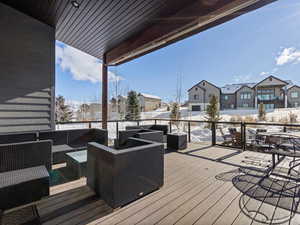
<point x="271" y="91"/>
<point x="200" y="95"/>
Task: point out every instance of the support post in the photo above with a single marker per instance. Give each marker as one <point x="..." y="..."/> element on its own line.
<point x="170" y="126"/>
<point x="155" y="122"/>
<point x="189" y="131"/>
<point x="117" y="130"/>
<point x="213" y="133"/>
<point x="244" y="137"/>
<point x="104" y="93"/>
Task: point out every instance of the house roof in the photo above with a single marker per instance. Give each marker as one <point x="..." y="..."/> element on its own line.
<point x="233" y="88"/>
<point x="202" y="87"/>
<point x="286" y="83"/>
<point x="119" y="31"/>
<point x="150" y="96"/>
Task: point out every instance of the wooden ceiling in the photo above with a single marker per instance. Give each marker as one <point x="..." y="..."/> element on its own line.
<point x="126" y="29"/>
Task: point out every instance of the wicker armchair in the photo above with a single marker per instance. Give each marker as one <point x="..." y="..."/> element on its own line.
<point x="122" y="176"/>
<point x="24" y="176"/>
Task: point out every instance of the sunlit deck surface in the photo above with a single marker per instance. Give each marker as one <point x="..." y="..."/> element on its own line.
<point x="203" y="185"/>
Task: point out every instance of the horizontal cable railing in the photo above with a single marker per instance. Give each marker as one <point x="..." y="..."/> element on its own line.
<point x="197" y="130"/>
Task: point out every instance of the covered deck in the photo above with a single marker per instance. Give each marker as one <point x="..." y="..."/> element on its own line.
<point x="202" y="185"/>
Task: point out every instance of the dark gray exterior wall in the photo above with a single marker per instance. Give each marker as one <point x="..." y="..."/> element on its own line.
<point x="230" y="103"/>
<point x="240" y="102"/>
<point x="291" y="101"/>
<point x="27" y="73"/>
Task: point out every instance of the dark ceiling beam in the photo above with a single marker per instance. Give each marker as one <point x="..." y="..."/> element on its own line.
<point x="194" y="18"/>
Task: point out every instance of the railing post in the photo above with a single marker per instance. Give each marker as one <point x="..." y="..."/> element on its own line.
<point x="170" y="126"/>
<point x="117" y="130"/>
<point x="90" y="125"/>
<point x="189" y="131"/>
<point x="243" y="136"/>
<point x="284" y="129"/>
<point x="155" y="122"/>
<point x="213" y="133"/>
<point x="138" y="122"/>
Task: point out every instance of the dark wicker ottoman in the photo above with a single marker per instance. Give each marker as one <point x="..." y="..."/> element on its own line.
<point x="176" y="141"/>
<point x="77" y="161"/>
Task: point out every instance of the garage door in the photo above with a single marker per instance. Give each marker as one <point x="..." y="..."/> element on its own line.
<point x="196" y="108"/>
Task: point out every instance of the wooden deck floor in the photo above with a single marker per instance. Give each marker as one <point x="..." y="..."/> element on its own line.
<point x="203" y="185"/>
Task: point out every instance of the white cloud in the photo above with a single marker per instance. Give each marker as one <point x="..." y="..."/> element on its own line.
<point x="81" y="65"/>
<point x="242" y="78"/>
<point x="288" y="55"/>
<point x="264" y="73"/>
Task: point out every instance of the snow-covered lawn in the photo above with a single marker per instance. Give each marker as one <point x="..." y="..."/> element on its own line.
<point x="199" y="131"/>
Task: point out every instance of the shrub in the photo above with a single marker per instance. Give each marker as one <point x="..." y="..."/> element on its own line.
<point x="293" y="117"/>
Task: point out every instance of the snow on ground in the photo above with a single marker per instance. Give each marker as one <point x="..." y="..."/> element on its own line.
<point x="199" y="132"/>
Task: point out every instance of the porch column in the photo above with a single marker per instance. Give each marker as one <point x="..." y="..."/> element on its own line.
<point x="104" y="93"/>
<point x="255" y="99"/>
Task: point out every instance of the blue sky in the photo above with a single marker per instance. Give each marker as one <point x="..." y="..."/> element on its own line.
<point x="246" y="49"/>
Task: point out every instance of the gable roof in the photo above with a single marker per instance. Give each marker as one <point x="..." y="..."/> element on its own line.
<point x="149" y="96"/>
<point x="233" y="88"/>
<point x="291" y="86"/>
<point x="202" y="87"/>
<point x="273" y="77"/>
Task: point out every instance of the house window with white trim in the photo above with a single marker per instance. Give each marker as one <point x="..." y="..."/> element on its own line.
<point x="226" y="97"/>
<point x="294" y="94"/>
<point x="196" y="97"/>
<point x="245" y="95"/>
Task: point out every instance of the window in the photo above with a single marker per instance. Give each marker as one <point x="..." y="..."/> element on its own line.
<point x="269" y="106"/>
<point x="296" y="104"/>
<point x="266" y="94"/>
<point x="225" y="97"/>
<point x="196" y="89"/>
<point x="294" y="94"/>
<point x="232" y="106"/>
<point x="245" y="95"/>
<point x="203" y="84"/>
<point x="245" y="105"/>
<point x="196" y="97"/>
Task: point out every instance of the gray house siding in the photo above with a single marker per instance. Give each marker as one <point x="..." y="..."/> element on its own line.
<point x="241" y="103"/>
<point x="292" y="101"/>
<point x="204" y="92"/>
<point x="228" y="102"/>
<point x="27" y="73"/>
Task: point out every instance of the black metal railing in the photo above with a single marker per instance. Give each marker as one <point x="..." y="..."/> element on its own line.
<point x="213" y="126"/>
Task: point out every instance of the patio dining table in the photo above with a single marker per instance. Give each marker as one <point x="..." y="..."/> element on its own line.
<point x="279" y="139"/>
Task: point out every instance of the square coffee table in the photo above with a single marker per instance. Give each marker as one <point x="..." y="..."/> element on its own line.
<point x="76" y="161"/>
<point x="177" y="141"/>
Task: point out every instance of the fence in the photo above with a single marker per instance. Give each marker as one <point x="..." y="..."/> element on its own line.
<point x="214" y="133"/>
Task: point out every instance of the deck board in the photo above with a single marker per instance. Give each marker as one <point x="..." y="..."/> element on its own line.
<point x="202" y="185"/>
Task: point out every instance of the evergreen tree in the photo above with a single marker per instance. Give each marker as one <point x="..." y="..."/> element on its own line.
<point x="133" y="107"/>
<point x="212" y="110"/>
<point x="63" y="113"/>
<point x="261" y="112"/>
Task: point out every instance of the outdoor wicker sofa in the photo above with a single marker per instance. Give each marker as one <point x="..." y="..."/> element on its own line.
<point x="122" y="176"/>
<point x="65" y="141"/>
<point x="163" y="128"/>
<point x="151" y="135"/>
<point x="24" y="176"/>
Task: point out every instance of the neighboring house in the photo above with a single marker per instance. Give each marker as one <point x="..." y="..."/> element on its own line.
<point x="149" y="102"/>
<point x="200" y="95"/>
<point x="271" y="91"/>
<point x="293" y="96"/>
